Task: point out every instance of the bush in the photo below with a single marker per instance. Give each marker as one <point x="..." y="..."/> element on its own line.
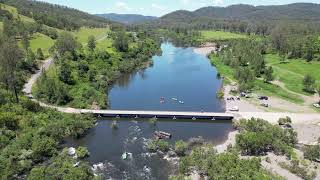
<point x="158" y="144"/>
<point x="312" y="153"/>
<point x="284" y="121"/>
<point x="181" y="147"/>
<point x="220" y="94"/>
<point x="82" y="152"/>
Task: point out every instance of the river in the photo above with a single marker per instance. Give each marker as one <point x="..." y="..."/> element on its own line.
<point x="178" y="73"/>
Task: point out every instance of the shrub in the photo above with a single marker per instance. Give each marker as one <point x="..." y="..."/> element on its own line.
<point x="158" y="144"/>
<point x="181" y="147"/>
<point x="82" y="152"/>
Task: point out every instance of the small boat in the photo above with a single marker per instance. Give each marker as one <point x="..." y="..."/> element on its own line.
<point x="161" y="101"/>
<point x="174" y="99"/>
<point x="181" y="102"/>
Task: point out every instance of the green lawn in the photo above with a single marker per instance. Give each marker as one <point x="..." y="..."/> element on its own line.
<point x="41" y="41"/>
<point x="220" y="35"/>
<point x="293" y="72"/>
<point x="83" y="34"/>
<point x="224" y="70"/>
<point x="260" y="86"/>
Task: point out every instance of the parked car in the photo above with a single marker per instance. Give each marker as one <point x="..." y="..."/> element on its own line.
<point x="235" y="108"/>
<point x="316" y="105"/>
<point x="264" y="105"/>
<point x="263" y="97"/>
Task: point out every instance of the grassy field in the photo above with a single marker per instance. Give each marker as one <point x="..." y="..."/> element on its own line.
<point x="83" y="34"/>
<point x="220" y="35"/>
<point x="224" y="70"/>
<point x="260" y="86"/>
<point x="293" y="72"/>
<point x="41" y="41"/>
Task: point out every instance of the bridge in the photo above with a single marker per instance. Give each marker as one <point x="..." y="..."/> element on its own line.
<point x="159" y="114"/>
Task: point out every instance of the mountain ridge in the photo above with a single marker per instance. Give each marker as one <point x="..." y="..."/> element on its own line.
<point x="127" y="18"/>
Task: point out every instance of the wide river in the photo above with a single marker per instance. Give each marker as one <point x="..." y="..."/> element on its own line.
<point x="178" y="74"/>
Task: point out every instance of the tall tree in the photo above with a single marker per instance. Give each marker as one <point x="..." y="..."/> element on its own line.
<point x="91" y="43"/>
<point x="10" y="56"/>
<point x="40" y="55"/>
<point x="308" y="83"/>
<point x="121" y="41"/>
<point x="66" y="43"/>
<point x="268" y="74"/>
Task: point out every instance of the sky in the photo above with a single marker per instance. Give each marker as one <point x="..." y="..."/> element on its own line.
<point x="158" y="7"/>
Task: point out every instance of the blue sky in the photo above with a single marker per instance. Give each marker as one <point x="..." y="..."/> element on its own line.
<point x="158" y="7"/>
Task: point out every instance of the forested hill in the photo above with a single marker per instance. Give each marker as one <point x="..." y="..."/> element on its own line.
<point x="56" y="16"/>
<point x="127" y="18"/>
<point x="298" y="11"/>
<point x="241" y="17"/>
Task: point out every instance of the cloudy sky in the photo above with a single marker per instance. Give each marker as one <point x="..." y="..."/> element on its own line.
<point x="158" y="7"/>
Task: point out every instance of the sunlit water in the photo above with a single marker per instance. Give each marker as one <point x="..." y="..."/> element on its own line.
<point x="178" y="73"/>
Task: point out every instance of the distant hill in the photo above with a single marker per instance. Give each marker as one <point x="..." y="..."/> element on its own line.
<point x="241" y="16"/>
<point x="127" y="18"/>
<point x="56" y="16"/>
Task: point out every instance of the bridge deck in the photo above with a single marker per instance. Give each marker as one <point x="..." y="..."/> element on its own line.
<point x="161" y="114"/>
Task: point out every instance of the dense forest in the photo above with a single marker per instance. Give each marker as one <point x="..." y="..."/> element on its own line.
<point x="56" y="16"/>
<point x="242" y="18"/>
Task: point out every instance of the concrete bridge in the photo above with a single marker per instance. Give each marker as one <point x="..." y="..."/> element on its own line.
<point x="159" y="114"/>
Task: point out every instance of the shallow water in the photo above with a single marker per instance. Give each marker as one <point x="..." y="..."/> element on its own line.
<point x="179" y="73"/>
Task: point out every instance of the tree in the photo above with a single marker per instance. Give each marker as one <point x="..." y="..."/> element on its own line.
<point x="91" y="43"/>
<point x="40" y="55"/>
<point x="10" y="57"/>
<point x="121" y="41"/>
<point x="268" y="74"/>
<point x="308" y="83"/>
<point x="65" y="73"/>
<point x="66" y="43"/>
<point x="312" y="153"/>
<point x="25" y="42"/>
<point x="318" y="90"/>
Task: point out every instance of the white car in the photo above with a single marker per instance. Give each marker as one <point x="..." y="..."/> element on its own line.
<point x="316" y="105"/>
<point x="234" y="108"/>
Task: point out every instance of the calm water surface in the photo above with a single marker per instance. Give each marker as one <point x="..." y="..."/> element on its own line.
<point x="178" y="73"/>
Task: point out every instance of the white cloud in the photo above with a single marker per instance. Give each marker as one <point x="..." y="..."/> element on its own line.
<point x="122" y="6"/>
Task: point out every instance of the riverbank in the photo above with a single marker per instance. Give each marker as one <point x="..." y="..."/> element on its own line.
<point x="206" y="49"/>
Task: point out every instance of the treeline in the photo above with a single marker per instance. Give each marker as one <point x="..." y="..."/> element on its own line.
<point x="247" y="60"/>
<point x="296" y="41"/>
<point x="56" y="16"/>
<point x="83" y="75"/>
<point x="248" y="19"/>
